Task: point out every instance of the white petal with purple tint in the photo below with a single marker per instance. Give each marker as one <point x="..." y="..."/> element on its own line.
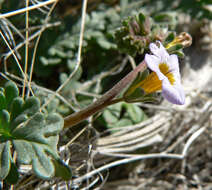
<point x="173" y="92"/>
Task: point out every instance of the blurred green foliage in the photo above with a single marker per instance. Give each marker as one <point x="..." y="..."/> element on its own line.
<point x="197" y="9"/>
<point x="122" y="114"/>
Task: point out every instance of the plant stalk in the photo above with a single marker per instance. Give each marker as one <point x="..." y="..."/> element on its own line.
<point x="105" y="100"/>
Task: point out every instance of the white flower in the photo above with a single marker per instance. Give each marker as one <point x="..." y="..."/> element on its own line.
<point x="165" y="75"/>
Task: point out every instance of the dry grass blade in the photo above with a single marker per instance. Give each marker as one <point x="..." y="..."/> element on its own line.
<point x="5" y="28"/>
<point x="23" y="10"/>
<point x="26" y="47"/>
<point x="43" y="9"/>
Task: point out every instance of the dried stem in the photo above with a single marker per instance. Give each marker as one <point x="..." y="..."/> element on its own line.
<point x="126" y="160"/>
<point x="26" y="48"/>
<point x="20" y="11"/>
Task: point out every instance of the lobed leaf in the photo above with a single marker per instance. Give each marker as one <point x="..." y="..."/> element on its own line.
<point x="32" y="134"/>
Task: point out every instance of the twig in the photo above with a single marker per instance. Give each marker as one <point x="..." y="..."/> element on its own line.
<point x="125" y="161"/>
<point x="15" y="57"/>
<point x="5" y="26"/>
<point x="19" y="11"/>
<point x="132" y="61"/>
<point x="191" y="139"/>
<point x="89" y="185"/>
<point x="33" y="36"/>
<point x="34" y="2"/>
<point x="26" y="47"/>
<point x="75" y="137"/>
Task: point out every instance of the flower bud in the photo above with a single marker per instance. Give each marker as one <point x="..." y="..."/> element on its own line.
<point x="183" y="39"/>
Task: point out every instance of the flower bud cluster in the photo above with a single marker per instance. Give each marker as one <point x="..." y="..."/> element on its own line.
<point x="138" y="31"/>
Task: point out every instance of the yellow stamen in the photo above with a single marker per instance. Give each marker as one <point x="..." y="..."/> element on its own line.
<point x="152" y="83"/>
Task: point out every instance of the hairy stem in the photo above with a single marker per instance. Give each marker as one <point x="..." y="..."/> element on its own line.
<point x="105" y="100"/>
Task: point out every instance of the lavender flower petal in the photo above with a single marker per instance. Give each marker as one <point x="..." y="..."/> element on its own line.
<point x="173" y="62"/>
<point x="174" y="94"/>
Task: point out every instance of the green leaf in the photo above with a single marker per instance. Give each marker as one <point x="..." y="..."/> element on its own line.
<point x="4" y="122"/>
<point x="32" y="134"/>
<point x="53" y="105"/>
<point x="121" y="123"/>
<point x="12" y="177"/>
<point x="16" y="107"/>
<point x="175" y="48"/>
<point x="169" y="38"/>
<point x="71" y="85"/>
<point x="35" y="140"/>
<point x="62" y="170"/>
<point x="31" y="106"/>
<point x="164" y="17"/>
<point x="11" y="91"/>
<point x="112" y="113"/>
<point x="135" y="113"/>
<point x="50" y="61"/>
<point x="103" y="42"/>
<point x="179" y="54"/>
<point x="21" y="110"/>
<point x="141" y="17"/>
<point x="122" y="114"/>
<point x="4" y="160"/>
<point x="150" y="98"/>
<point x="3" y="102"/>
<point x="71" y="65"/>
<point x="25" y="152"/>
<point x="137" y="94"/>
<point x="131" y="92"/>
<point x="41" y="163"/>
